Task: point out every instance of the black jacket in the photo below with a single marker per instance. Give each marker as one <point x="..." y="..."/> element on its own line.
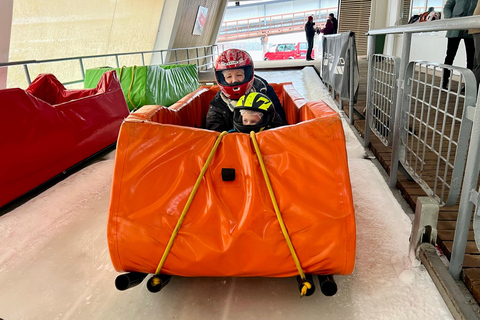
<point x="220" y="117"/>
<point x="335" y="25"/>
<point x="309" y="29"/>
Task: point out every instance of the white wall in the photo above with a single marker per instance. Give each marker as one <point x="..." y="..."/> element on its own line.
<point x="5" y="26"/>
<point x="431" y="46"/>
<point x="379" y="13"/>
<point x="437" y="48"/>
<point x="167" y="28"/>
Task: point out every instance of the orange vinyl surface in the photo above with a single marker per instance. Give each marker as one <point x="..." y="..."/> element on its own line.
<point x="231" y="228"/>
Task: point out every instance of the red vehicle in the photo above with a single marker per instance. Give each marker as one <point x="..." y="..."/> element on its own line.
<point x="284" y="51"/>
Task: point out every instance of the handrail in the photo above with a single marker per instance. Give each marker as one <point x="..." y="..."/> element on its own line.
<point x="443" y="24"/>
<point x="192" y="55"/>
<point x="14" y="63"/>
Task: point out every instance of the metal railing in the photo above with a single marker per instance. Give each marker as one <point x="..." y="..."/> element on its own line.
<point x="382" y="82"/>
<point x="203" y="57"/>
<point x="431" y="120"/>
<point x="469" y="197"/>
<point x="274" y="24"/>
<point x="433" y="127"/>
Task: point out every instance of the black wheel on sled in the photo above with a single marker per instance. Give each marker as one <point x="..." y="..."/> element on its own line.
<point x="327" y="285"/>
<point x="129" y="280"/>
<point x="308" y="280"/>
<point x="158" y="282"/>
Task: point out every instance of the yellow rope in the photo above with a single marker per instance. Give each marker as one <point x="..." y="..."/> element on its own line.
<point x="120" y="75"/>
<point x="306" y="285"/>
<point x="189" y="202"/>
<point x="130" y="88"/>
<point x="131" y="83"/>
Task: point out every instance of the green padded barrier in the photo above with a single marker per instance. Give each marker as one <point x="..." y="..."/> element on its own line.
<point x="155" y="85"/>
<point x="168" y="84"/>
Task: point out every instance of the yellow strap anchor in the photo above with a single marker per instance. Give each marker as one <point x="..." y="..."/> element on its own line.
<point x="189" y="202"/>
<point x="131" y="84"/>
<point x="306" y="285"/>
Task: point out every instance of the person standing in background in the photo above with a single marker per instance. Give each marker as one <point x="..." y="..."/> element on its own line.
<point x="310" y="33"/>
<point x="335" y="23"/>
<point x="328" y="29"/>
<point x="455" y="9"/>
<point x="476" y="41"/>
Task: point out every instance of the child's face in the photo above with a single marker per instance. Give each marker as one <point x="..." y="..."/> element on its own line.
<point x="250" y="119"/>
<point x="234" y="75"/>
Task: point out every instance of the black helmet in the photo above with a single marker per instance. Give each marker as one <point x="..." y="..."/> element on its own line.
<point x="254" y="103"/>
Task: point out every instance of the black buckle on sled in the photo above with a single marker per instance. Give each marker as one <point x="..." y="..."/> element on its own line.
<point x="228" y="174"/>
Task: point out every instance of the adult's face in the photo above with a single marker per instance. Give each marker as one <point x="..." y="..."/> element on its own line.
<point x="234" y="76"/>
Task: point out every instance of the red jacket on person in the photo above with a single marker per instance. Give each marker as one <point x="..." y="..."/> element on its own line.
<point x="328" y="29"/>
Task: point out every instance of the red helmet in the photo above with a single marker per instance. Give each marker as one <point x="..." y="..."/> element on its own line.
<point x="234" y="59"/>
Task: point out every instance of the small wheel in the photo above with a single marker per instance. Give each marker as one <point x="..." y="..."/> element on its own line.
<point x="307" y="284"/>
<point x="129" y="280"/>
<point x="327" y="285"/>
<point x="157" y="282"/>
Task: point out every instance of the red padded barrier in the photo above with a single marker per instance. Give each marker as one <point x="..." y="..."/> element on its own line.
<point x="47" y="129"/>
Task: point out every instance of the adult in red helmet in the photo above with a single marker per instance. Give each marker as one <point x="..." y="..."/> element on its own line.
<point x="235" y="76"/>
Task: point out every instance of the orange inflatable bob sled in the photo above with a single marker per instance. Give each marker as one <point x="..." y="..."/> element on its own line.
<point x="192" y="202"/>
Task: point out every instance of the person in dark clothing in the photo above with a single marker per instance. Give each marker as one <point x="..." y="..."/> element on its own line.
<point x="334" y="22"/>
<point x="454" y="9"/>
<point x="310" y="33"/>
<point x="328" y="29"/>
<point x="235" y="77"/>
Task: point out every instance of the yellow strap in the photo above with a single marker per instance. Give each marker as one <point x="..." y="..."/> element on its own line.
<point x="131" y="83"/>
<point x="120" y="75"/>
<point x="130" y="88"/>
<point x="189" y="201"/>
<point x="277" y="211"/>
<point x="305" y="287"/>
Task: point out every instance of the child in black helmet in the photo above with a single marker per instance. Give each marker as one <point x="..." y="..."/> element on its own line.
<point x="254" y="112"/>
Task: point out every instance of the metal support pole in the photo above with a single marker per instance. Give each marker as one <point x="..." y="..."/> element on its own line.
<point x="405" y="58"/>
<point x="204" y="52"/>
<point x="466" y="206"/>
<point x="27" y="74"/>
<point x="371" y="64"/>
<point x="424" y="227"/>
<point x="351" y="81"/>
<point x="82" y="69"/>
